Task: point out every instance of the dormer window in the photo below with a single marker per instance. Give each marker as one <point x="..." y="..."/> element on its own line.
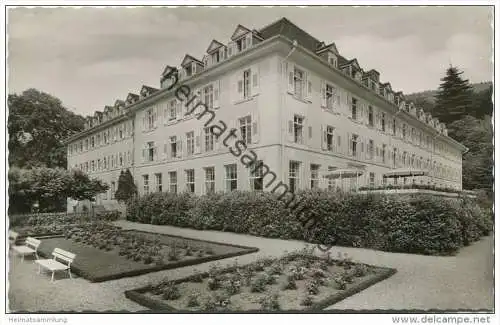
<point x="391" y="97"/>
<point x="188" y="70"/>
<point x="332" y="60"/>
<point x="373" y="85"/>
<point x="215" y="57"/>
<point x="352" y="72"/>
<point x="397" y="100"/>
<point x="241" y="44"/>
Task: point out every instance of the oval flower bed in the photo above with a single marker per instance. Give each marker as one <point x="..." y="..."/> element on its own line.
<point x="296" y="281"/>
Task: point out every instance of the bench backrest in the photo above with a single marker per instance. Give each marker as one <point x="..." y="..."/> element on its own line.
<point x="13" y="235"/>
<point x="32" y="242"/>
<point x="62" y="255"/>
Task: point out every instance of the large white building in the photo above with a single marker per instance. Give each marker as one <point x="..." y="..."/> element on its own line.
<point x="297" y="105"/>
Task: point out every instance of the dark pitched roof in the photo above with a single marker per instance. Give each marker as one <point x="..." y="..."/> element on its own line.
<point x="291" y="31"/>
<point x="133" y="97"/>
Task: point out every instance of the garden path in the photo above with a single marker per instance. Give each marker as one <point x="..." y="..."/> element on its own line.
<point x="464" y="281"/>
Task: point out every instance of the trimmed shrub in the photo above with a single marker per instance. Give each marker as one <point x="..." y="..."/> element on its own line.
<point x="420" y="223"/>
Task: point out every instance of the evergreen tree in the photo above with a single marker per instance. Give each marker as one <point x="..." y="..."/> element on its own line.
<point x="454" y="97"/>
<point x="126" y="186"/>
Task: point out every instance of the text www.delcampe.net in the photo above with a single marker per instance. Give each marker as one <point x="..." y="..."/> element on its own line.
<point x="437" y="319"/>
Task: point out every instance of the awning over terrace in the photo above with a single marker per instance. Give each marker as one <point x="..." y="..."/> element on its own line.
<point x="405" y="172"/>
<point x="343" y="173"/>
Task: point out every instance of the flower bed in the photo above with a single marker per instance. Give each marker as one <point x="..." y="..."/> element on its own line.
<point x="298" y="281"/>
<point x="105" y="252"/>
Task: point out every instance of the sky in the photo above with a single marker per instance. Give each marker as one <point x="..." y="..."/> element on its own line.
<point x="89" y="57"/>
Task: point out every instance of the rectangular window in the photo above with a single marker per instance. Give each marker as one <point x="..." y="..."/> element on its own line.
<point x="158" y="182"/>
<point x="382" y="121"/>
<point x="298" y="82"/>
<point x="354" y="145"/>
<point x="112" y="190"/>
<point x="329" y="138"/>
<point x="330" y="99"/>
<point x="384" y="148"/>
<point x="246" y="129"/>
<point x="298" y="126"/>
<point x="209" y="140"/>
<point x="404" y="131"/>
<point x="370" y="149"/>
<point x="354" y="109"/>
<point x="314" y="176"/>
<point x="231" y="177"/>
<point x="246" y="83"/>
<point x="372" y="180"/>
<point x="370" y="116"/>
<point x="215" y="57"/>
<point x="150" y="151"/>
<point x="120" y="131"/>
<point x="173" y="182"/>
<point x="208" y="92"/>
<point x="190" y="180"/>
<point x="145" y="182"/>
<point x="92" y="142"/>
<point x="209" y="180"/>
<point x="394" y="127"/>
<point x="256" y="180"/>
<point x="172" y="110"/>
<point x="92" y="164"/>
<point x="121" y="159"/>
<point x="99" y="164"/>
<point x="150" y="119"/>
<point x="190" y="143"/>
<point x="173" y="146"/>
<point x="293" y="175"/>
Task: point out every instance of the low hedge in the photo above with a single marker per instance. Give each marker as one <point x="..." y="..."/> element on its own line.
<point x="422" y="224"/>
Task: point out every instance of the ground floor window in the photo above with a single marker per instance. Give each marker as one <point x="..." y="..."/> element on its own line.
<point x="256" y="180"/>
<point x="371" y="180"/>
<point x="314" y="176"/>
<point x="209" y="180"/>
<point x="173" y="182"/>
<point x="113" y="190"/>
<point x="158" y="182"/>
<point x="293" y="175"/>
<point x="231" y="177"/>
<point x="145" y="182"/>
<point x="190" y="180"/>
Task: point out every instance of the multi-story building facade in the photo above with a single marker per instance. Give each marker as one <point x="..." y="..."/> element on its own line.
<point x="297" y="105"/>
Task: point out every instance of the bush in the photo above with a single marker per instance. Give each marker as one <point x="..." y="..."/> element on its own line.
<point x="108" y="215"/>
<point x="420" y="223"/>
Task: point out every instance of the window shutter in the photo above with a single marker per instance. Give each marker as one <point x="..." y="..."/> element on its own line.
<point x="255" y="79"/>
<point x="255" y="127"/>
<point x="290" y="131"/>
<point x="155" y="117"/>
<point x="155" y="153"/>
<point x="349" y="141"/>
<point x="323" y="137"/>
<point x="179" y="147"/>
<point x="290" y="68"/>
<point x="339" y="144"/>
<point x="217" y="86"/>
<point x="178" y="109"/>
<point x="143" y="156"/>
<point x="240" y="87"/>
<point x="198" y="142"/>
<point x="367" y="152"/>
<point x="165" y="150"/>
<point x="323" y="93"/>
<point x="310" y="132"/>
<point x="307" y="85"/>
<point x="143" y="124"/>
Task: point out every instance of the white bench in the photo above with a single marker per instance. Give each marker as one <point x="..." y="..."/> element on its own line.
<point x="61" y="261"/>
<point x="12" y="238"/>
<point x="30" y="247"/>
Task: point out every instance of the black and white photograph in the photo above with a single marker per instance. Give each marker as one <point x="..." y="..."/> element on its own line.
<point x="258" y="159"/>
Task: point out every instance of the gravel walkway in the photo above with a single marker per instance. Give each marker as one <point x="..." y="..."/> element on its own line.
<point x="464" y="281"/>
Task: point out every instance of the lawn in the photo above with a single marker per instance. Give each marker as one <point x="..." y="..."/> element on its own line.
<point x="298" y="281"/>
<point x="104" y="252"/>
